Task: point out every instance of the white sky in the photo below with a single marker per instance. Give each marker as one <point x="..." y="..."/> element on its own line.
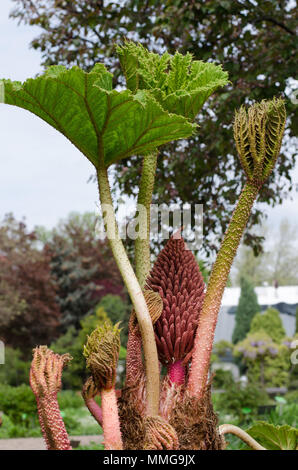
<point x="42" y="176"/>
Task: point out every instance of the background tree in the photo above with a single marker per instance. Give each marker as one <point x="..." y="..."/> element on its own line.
<point x="267" y="361"/>
<point x="117" y="310"/>
<point x="83" y="268"/>
<point x="255" y="42"/>
<point x="50" y="280"/>
<point x="266" y="351"/>
<point x="15" y="371"/>
<point x="282" y="263"/>
<point x="270" y="322"/>
<point x="277" y="264"/>
<point x="250" y="265"/>
<point x="29" y="313"/>
<point x="73" y="342"/>
<point x="247" y="308"/>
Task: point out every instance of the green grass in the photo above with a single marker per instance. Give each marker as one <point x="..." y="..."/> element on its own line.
<point x="91" y="446"/>
<point x="78" y="422"/>
<point x="20" y="416"/>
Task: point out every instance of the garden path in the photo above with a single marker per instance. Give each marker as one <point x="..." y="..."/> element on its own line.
<point x="36" y="443"/>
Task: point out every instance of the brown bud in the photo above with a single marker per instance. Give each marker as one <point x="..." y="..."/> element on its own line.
<point x="159" y="435"/>
<point x="154" y="304"/>
<point x="89" y="390"/>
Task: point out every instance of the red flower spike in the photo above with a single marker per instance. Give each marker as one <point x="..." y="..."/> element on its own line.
<point x="177" y="278"/>
<point x="177" y="373"/>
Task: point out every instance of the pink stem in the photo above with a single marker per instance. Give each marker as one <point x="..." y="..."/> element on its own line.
<point x="41" y="422"/>
<point x="208" y="316"/>
<point x="176" y="372"/>
<point x="110" y="420"/>
<point x="52" y="424"/>
<point x="94" y="409"/>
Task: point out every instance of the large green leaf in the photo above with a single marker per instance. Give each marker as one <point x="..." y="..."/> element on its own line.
<point x="179" y="83"/>
<point x="94" y="117"/>
<point x="274" y="437"/>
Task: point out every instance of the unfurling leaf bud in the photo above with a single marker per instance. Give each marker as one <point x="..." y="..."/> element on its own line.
<point x="46" y="371"/>
<point x="45" y="381"/>
<point x="89" y="390"/>
<point x="102" y="352"/>
<point x="258" y="135"/>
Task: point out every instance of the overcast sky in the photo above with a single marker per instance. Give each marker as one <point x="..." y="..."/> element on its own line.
<point x="42" y="175"/>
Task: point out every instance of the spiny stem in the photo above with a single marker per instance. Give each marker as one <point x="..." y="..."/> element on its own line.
<point x="89" y="393"/>
<point x="231" y="429"/>
<point x="52" y="424"/>
<point x="142" y="243"/>
<point x="134" y="364"/>
<point x="134" y="290"/>
<point x="45" y="381"/>
<point x="217" y="282"/>
<point x="134" y="356"/>
<point x="110" y="420"/>
<point x="95" y="410"/>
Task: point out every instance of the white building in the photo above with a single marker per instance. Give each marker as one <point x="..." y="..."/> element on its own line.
<point x="284" y="299"/>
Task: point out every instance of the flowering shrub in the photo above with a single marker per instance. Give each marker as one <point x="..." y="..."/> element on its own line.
<point x="267" y="361"/>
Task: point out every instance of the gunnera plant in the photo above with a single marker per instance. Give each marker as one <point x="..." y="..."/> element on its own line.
<point x="165" y="402"/>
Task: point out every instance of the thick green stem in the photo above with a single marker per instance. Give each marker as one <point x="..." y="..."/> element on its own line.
<point x="216" y="285"/>
<point x="134" y="290"/>
<point x="231" y="429"/>
<point x="142" y="243"/>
